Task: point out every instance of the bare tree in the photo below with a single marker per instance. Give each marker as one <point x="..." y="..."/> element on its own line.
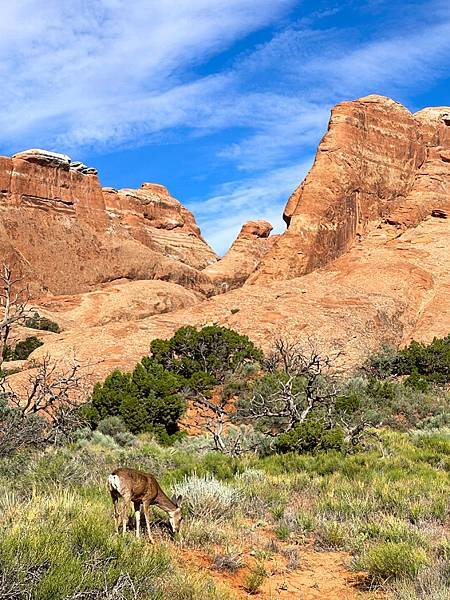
<point x="44" y="409"/>
<point x="214" y="418"/>
<point x="303" y="382"/>
<point x="13" y="305"/>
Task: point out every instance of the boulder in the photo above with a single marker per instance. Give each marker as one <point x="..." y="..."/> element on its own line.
<point x="243" y="257"/>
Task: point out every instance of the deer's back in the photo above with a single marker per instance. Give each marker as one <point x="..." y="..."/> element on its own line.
<point x="136" y="484"/>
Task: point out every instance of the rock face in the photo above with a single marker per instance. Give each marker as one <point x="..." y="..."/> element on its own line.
<point x="365" y="258"/>
<point x="376" y="163"/>
<point x="112" y="303"/>
<point x="245" y="254"/>
<point x="154" y="218"/>
<point x="389" y="288"/>
<point x="67" y="235"/>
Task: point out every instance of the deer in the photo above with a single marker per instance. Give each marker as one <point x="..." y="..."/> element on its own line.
<point x="142" y="490"/>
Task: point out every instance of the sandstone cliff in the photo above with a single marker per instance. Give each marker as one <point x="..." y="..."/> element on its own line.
<point x="390" y="288"/>
<point x="376" y="163"/>
<point x="153" y="217"/>
<point x="364" y="259"/>
<point x="67" y="235"/>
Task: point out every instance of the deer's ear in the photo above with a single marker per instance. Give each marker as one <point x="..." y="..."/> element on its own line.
<point x="179" y="499"/>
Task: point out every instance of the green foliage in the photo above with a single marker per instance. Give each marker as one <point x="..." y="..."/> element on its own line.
<point x="75" y="552"/>
<point x="309" y="436"/>
<point x="394" y="560"/>
<point x="421" y="362"/>
<point x="383" y="363"/>
<point x="213" y="350"/>
<point x="255" y="578"/>
<point x="148" y="399"/>
<point x="387" y="504"/>
<point x="42" y="323"/>
<point x="22" y="349"/>
<point x="432" y="361"/>
<point x="116" y="428"/>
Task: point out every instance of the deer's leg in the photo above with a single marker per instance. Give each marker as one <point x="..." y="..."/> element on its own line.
<point x="146" y="507"/>
<point x="115" y="499"/>
<point x="124" y="513"/>
<point x="137" y="514"/>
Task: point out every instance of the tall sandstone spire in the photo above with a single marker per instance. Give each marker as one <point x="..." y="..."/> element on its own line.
<point x="376" y="163"/>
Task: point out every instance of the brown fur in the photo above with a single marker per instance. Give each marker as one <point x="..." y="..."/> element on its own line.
<point x="142" y="490"/>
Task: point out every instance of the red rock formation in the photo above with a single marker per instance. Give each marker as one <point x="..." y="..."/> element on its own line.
<point x="56" y="227"/>
<point x="246" y="252"/>
<point x="377" y="162"/>
<point x="389" y="288"/>
<point x="160" y="222"/>
<point x="118" y="302"/>
<point x="431" y="187"/>
<point x="364" y="259"/>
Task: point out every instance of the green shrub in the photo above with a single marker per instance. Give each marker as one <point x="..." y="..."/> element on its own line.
<point x="383" y="363"/>
<point x="112" y="426"/>
<point x="310" y="435"/>
<point x="150" y="398"/>
<point x="22" y="349"/>
<point x="421" y="362"/>
<point x="214" y="350"/>
<point x="254" y="580"/>
<point x="146" y="400"/>
<point x="332" y="535"/>
<point x="394" y="560"/>
<point x="432" y="361"/>
<point x="42" y="323"/>
<point x="115" y="428"/>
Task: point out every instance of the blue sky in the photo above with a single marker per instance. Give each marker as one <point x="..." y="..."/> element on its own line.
<point x="223" y="101"/>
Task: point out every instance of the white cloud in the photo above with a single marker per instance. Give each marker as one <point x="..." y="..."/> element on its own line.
<point x="103" y="73"/>
<point x="102" y="70"/>
<point x="399" y="62"/>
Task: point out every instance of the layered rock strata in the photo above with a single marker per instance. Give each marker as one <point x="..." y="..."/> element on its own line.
<point x="153" y="217"/>
<point x="377" y="163"/>
<point x="66" y="235"/>
<point x="389" y="288"/>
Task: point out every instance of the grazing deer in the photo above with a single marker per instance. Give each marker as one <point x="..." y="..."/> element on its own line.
<point x="143" y="490"/>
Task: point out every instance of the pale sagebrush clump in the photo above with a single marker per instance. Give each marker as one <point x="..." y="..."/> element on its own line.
<point x="251" y="475"/>
<point x="229" y="560"/>
<point x="432" y="583"/>
<point x="202" y="534"/>
<point x="208" y="498"/>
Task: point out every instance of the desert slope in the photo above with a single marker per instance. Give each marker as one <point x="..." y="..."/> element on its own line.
<point x="388" y="288"/>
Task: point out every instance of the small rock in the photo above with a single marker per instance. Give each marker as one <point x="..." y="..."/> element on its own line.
<point x="439" y="213"/>
<point x="44" y="157"/>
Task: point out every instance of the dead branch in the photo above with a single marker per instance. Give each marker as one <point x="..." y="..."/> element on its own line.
<point x="13" y="304"/>
<point x="303" y="383"/>
<point x="45" y="408"/>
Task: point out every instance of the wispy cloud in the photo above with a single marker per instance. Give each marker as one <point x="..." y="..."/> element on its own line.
<point x="108" y="70"/>
<point x="110" y="73"/>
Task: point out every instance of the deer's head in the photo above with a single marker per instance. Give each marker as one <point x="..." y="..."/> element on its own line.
<point x="175" y="516"/>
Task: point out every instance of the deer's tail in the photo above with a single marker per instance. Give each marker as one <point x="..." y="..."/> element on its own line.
<point x="114" y="483"/>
